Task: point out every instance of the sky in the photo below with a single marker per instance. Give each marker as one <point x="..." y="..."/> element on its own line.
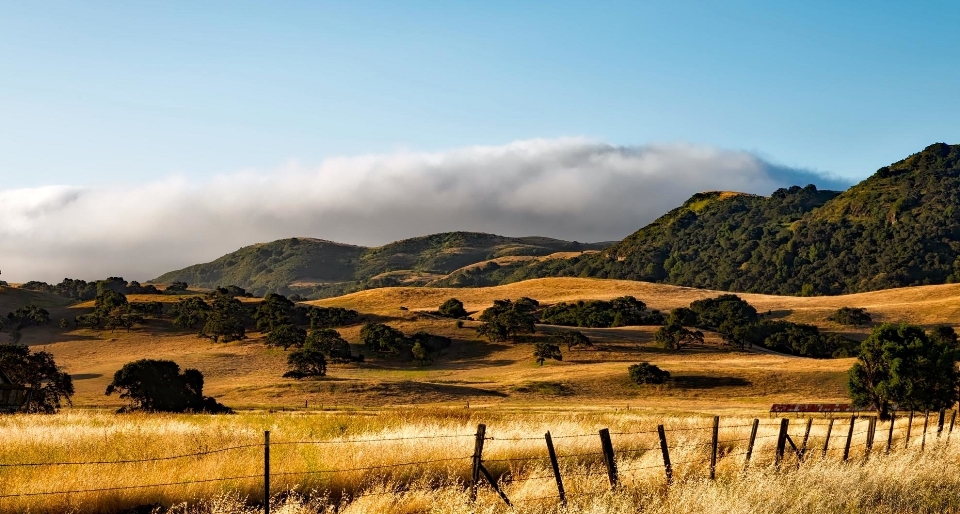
<point x="139" y="137"/>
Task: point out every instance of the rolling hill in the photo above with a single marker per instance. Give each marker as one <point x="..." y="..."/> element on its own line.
<point x="316" y="268"/>
<point x="900" y="227"/>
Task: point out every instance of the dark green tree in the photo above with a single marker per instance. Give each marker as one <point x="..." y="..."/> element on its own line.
<point x="571" y="338"/>
<point x="273" y="311"/>
<point x="543" y="351"/>
<point x="855" y="316"/>
<point x="508" y="319"/>
<point x="675" y="337"/>
<point x="286" y="335"/>
<point x="37" y="370"/>
<point x="646" y="373"/>
<point x="226" y="320"/>
<point x="159" y="386"/>
<point x="190" y="312"/>
<point x="453" y="308"/>
<point x="381" y="338"/>
<point x="305" y="362"/>
<point x="903" y="365"/>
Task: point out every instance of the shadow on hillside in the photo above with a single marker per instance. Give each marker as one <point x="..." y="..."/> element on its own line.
<point x="85" y="376"/>
<point x="424" y="389"/>
<point x="708" y="382"/>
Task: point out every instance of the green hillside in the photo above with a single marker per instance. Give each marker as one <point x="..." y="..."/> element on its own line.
<point x="317" y="268"/>
<point x="900" y="227"/>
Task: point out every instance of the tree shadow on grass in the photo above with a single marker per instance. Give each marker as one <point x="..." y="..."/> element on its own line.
<point x="708" y="382"/>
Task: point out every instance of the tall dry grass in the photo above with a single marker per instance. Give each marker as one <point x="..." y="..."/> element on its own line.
<point x="906" y="480"/>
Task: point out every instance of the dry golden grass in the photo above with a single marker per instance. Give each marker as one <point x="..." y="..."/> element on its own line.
<point x="907" y="480"/>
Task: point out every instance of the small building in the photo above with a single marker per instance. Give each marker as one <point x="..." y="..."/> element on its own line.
<point x="13" y="397"/>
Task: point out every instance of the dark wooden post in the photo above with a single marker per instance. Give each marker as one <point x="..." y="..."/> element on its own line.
<point x="753" y="437"/>
<point x="556" y="468"/>
<point x="846" y="446"/>
<point x="608" y="458"/>
<point x="806" y="437"/>
<point x="826" y="441"/>
<point x="266" y="472"/>
<point x="665" y="450"/>
<point x="953" y="418"/>
<point x="906" y="440"/>
<point x="893" y="419"/>
<point x="923" y="438"/>
<point x="943" y="415"/>
<point x="781" y="441"/>
<point x="713" y="447"/>
<point x="477" y="457"/>
<point x="871" y="431"/>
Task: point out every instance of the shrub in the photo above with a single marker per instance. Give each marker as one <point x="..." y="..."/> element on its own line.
<point x="452" y="308"/>
<point x="855" y="316"/>
<point x="646" y="373"/>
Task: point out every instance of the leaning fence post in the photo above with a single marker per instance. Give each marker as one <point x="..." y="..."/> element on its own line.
<point x="846" y="446"/>
<point x="266" y="472"/>
<point x="826" y="440"/>
<point x="556" y="468"/>
<point x="713" y="451"/>
<point x="906" y="440"/>
<point x="607" y="445"/>
<point x="923" y="438"/>
<point x="871" y="431"/>
<point x="477" y="456"/>
<point x="781" y="441"/>
<point x="943" y="414"/>
<point x="953" y="418"/>
<point x="665" y="450"/>
<point x="893" y="419"/>
<point x="753" y="437"/>
<point x="806" y="437"/>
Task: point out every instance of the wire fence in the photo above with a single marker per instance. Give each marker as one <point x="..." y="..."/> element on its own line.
<point x="667" y="449"/>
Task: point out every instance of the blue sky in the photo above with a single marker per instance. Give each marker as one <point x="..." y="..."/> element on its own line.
<point x="96" y="93"/>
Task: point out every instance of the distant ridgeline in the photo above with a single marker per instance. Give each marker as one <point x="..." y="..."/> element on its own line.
<point x="900" y="227"/>
<point x="316" y="268"/>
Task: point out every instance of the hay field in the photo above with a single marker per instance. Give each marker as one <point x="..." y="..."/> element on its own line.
<point x="419" y="460"/>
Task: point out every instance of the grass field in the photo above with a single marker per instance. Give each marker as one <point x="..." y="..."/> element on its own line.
<point x="247" y="374"/>
<point x="419" y="460"/>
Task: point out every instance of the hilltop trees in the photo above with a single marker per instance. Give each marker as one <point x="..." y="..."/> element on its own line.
<point x="903" y="365"/>
<point x="28" y="315"/>
<point x="111" y="310"/>
<point x="37" y="370"/>
<point x="159" y="386"/>
<point x="618" y="312"/>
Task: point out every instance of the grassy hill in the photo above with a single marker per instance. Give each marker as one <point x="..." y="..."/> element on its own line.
<point x="900" y="227"/>
<point x="318" y="268"/>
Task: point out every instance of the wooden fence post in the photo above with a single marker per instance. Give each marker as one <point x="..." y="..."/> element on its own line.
<point x="556" y="469"/>
<point x="713" y="447"/>
<point x="266" y="472"/>
<point x="753" y="437"/>
<point x="826" y="441"/>
<point x="943" y="414"/>
<point x="665" y="450"/>
<point x="608" y="457"/>
<point x="906" y="440"/>
<point x="781" y="441"/>
<point x="953" y="418"/>
<point x="806" y="437"/>
<point x="477" y="456"/>
<point x="871" y="431"/>
<point x="846" y="447"/>
<point x="923" y="438"/>
<point x="893" y="419"/>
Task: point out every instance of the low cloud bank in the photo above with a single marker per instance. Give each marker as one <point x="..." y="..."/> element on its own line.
<point x="566" y="188"/>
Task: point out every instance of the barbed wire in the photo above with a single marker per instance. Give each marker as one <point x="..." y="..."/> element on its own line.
<point x="121" y="488"/>
<point x="129" y="461"/>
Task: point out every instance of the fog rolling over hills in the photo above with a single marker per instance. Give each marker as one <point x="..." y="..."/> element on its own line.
<point x="317" y="268"/>
<point x="899" y="227"/>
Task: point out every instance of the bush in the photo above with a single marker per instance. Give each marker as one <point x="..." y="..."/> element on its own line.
<point x="855" y="316"/>
<point x="646" y="373"/>
<point x="452" y="308"/>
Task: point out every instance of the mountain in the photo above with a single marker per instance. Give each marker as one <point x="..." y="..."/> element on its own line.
<point x="899" y="227"/>
<point x="317" y="268"/>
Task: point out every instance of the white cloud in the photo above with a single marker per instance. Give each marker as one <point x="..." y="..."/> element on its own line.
<point x="565" y="188"/>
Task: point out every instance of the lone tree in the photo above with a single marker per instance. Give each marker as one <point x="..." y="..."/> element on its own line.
<point x="855" y="316"/>
<point x="675" y="337"/>
<point x="544" y="351"/>
<point x="571" y="338"/>
<point x="308" y="361"/>
<point x="38" y="371"/>
<point x="508" y="319"/>
<point x="646" y="373"/>
<point x="902" y="364"/>
<point x="159" y="386"/>
<point x="453" y="308"/>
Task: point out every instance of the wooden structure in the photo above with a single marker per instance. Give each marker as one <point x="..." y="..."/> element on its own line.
<point x="13" y="397"/>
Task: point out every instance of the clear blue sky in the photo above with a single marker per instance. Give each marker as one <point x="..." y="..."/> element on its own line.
<point x="93" y="93"/>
